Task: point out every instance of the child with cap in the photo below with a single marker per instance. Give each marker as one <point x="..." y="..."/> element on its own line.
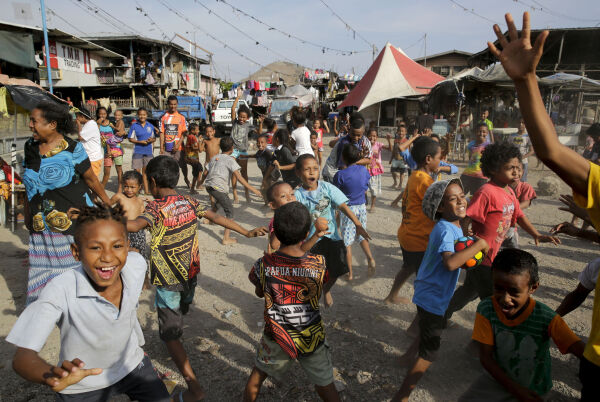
<point x="445" y="203"/>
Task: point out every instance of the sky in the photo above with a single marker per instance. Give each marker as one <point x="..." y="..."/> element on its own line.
<point x="403" y="23"/>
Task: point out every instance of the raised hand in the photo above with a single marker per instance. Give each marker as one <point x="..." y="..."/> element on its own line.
<point x="69" y="373"/>
<point x="517" y="56"/>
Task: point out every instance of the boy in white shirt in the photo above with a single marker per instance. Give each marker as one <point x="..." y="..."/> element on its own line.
<point x="301" y="135"/>
<point x="89" y="136"/>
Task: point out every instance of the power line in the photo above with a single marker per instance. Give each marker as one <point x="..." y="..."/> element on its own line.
<point x="292" y="36"/>
<point x="548" y="11"/>
<point x="88" y="10"/>
<point x="414" y="44"/>
<point x="348" y="27"/>
<point x="108" y="16"/>
<point x="472" y="11"/>
<point x="51" y="11"/>
<point x="225" y="45"/>
<point x="145" y="14"/>
<point x="244" y="33"/>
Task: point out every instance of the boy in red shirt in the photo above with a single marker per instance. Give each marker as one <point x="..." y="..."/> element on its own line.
<point x="493" y="209"/>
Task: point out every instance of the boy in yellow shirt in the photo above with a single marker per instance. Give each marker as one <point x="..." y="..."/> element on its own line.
<point x="520" y="59"/>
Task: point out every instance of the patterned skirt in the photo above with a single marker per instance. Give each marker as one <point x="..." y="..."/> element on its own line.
<point x="49" y="256"/>
<point x="347" y="227"/>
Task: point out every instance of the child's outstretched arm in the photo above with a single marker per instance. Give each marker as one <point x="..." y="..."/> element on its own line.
<point x="359" y="228"/>
<point x="233" y="225"/>
<point x="486" y="357"/>
<point x="453" y="261"/>
<point x="244" y="183"/>
<point x="31" y="367"/>
<point x="136" y="225"/>
<point x="537" y="236"/>
<point x="520" y="60"/>
<point x="406" y="144"/>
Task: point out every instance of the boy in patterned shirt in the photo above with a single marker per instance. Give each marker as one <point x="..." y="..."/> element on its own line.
<point x="175" y="260"/>
<point x="291" y="282"/>
<point x="514" y="331"/>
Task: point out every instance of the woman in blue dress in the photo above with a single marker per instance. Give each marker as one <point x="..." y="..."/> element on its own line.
<point x="58" y="179"/>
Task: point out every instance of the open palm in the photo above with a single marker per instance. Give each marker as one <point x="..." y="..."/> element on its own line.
<point x="518" y="57"/>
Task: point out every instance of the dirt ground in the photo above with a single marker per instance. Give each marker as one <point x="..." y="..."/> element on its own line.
<point x="365" y="335"/>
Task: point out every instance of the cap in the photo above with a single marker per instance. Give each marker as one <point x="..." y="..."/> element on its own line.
<point x="433" y="196"/>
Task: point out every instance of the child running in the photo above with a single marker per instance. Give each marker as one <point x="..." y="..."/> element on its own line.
<point x="513" y="331"/>
<point x="319" y="149"/>
<point x="143" y="134"/>
<point x="113" y="152"/>
<point x="264" y="158"/>
<point x="276" y="277"/>
<point x="285" y="159"/>
<point x="95" y="309"/>
<point x="174" y="257"/>
<point x="216" y="176"/>
<point x="492" y="211"/>
<point x="133" y="206"/>
<point x="193" y="146"/>
<point x="445" y="203"/>
<point x="353" y="180"/>
<point x="472" y="177"/>
<point x="413" y="233"/>
<point x="322" y="200"/>
<point x="376" y="167"/>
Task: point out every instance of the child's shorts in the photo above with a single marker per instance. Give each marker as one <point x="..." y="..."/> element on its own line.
<point x="223" y="200"/>
<point x="334" y="252"/>
<point x="196" y="168"/>
<point x="399" y="166"/>
<point x="430" y="333"/>
<point x="347" y="227"/>
<point x="274" y="362"/>
<point x="139" y="161"/>
<point x="412" y="259"/>
<point x="375" y="185"/>
<point x="117" y="161"/>
<point x="142" y="384"/>
<point x="171" y="306"/>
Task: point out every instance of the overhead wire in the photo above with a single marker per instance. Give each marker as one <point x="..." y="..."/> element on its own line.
<point x="225" y="45"/>
<point x="109" y="16"/>
<point x="348" y="27"/>
<point x="258" y="43"/>
<point x="145" y="14"/>
<point x="323" y="48"/>
<point x="53" y="13"/>
<point x="544" y="9"/>
<point x="88" y="10"/>
<point x="472" y="11"/>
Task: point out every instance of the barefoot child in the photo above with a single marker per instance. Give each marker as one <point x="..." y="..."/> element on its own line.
<point x="399" y="165"/>
<point x="211" y="146"/>
<point x="519" y="59"/>
<point x="216" y="177"/>
<point x="174" y="259"/>
<point x="354" y="182"/>
<point x="413" y="233"/>
<point x="322" y="200"/>
<point x="319" y="149"/>
<point x="513" y="331"/>
<point x="493" y="209"/>
<point x="445" y="203"/>
<point x="286" y="338"/>
<point x="113" y="152"/>
<point x="376" y="167"/>
<point x="193" y="146"/>
<point x="472" y="177"/>
<point x="314" y="144"/>
<point x="95" y="309"/>
<point x="240" y="129"/>
<point x="264" y="158"/>
<point x="143" y="134"/>
<point x="133" y="206"/>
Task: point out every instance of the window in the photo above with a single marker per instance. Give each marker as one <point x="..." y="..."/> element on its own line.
<point x="445" y="71"/>
<point x="436" y="69"/>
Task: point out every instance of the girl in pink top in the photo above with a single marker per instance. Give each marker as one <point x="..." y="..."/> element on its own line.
<point x="317" y="128"/>
<point x="376" y="167"/>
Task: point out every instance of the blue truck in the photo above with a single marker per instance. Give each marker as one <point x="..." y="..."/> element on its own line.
<point x="191" y="107"/>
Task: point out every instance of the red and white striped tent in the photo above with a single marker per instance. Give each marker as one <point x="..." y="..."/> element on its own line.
<point x="392" y="75"/>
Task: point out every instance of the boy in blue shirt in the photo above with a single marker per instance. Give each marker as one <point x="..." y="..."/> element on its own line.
<point x="444" y="202"/>
<point x="354" y="182"/>
<point x="142" y="134"/>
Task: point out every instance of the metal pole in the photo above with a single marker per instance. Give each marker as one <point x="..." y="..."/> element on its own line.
<point x="43" y="8"/>
<point x="425" y="59"/>
<point x="13" y="163"/>
<point x="197" y="72"/>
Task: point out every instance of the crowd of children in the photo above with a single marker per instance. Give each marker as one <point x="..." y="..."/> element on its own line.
<point x="320" y="211"/>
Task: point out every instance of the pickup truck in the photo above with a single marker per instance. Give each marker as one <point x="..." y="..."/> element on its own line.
<point x="221" y="115"/>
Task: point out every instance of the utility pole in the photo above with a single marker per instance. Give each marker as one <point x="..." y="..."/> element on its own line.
<point x="425" y="58"/>
<point x="49" y="69"/>
<point x="211" y="76"/>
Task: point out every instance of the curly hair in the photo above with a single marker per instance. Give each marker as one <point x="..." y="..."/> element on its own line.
<point x="495" y="155"/>
<point x="88" y="215"/>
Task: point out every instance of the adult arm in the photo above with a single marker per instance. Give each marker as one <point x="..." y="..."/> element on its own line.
<point x="33" y="368"/>
<point x="92" y="182"/>
<point x="520" y="59"/>
<point x="234" y="106"/>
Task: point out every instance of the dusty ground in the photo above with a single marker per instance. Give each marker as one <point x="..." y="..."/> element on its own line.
<point x="366" y="336"/>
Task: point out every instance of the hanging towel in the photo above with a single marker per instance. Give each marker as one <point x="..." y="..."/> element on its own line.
<point x="256" y="85"/>
<point x="262" y="86"/>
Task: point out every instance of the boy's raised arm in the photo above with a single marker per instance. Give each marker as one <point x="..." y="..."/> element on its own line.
<point x="31" y="367"/>
<point x="519" y="59"/>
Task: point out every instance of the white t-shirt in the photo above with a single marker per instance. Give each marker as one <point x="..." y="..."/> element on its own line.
<point x="302" y="137"/>
<point x="90" y="139"/>
<point x="589" y="275"/>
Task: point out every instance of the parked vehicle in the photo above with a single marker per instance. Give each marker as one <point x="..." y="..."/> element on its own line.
<point x="441" y="127"/>
<point x="221" y="115"/>
<point x="279" y="109"/>
<point x="191" y="107"/>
